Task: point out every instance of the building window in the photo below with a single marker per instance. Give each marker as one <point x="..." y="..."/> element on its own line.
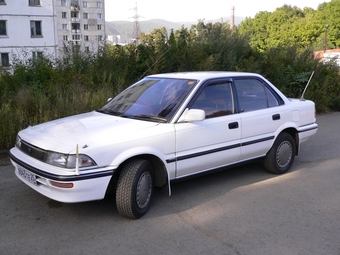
<point x="99" y="5"/>
<point x="74" y="14"/>
<point x="36" y="29"/>
<point x="63" y="2"/>
<point x="75" y="37"/>
<point x="34" y="3"/>
<point x="75" y="26"/>
<point x="87" y="49"/>
<point x="99" y="27"/>
<point x="86" y="27"/>
<point x="4" y="59"/>
<point x="85" y="15"/>
<point x="99" y="16"/>
<point x="37" y="54"/>
<point x="65" y="38"/>
<point x="64" y="26"/>
<point x="75" y="3"/>
<point x="2" y="2"/>
<point x="99" y="38"/>
<point x="3" y="28"/>
<point x="63" y="15"/>
<point x="84" y="4"/>
<point x="86" y="37"/>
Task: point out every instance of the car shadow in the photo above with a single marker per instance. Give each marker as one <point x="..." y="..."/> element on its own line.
<point x="193" y="192"/>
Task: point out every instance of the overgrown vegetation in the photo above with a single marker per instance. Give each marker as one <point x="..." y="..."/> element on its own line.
<point x="44" y="89"/>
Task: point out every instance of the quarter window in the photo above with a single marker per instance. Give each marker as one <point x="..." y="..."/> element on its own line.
<point x="36" y="29"/>
<point x="254" y="95"/>
<point x="215" y="99"/>
<point x="3" y="28"/>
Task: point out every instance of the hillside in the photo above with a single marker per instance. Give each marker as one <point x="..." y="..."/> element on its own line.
<point x="124" y="29"/>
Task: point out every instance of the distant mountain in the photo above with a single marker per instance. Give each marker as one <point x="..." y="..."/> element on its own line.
<point x="124" y="29"/>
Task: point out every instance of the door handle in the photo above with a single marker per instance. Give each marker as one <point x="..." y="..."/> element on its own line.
<point x="233" y="125"/>
<point x="276" y="117"/>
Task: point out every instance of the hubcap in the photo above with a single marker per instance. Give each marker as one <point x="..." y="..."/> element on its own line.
<point x="144" y="189"/>
<point x="284" y="154"/>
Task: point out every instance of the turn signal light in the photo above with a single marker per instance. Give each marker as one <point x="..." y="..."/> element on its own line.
<point x="64" y="185"/>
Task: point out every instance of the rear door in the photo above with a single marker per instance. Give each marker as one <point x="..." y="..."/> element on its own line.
<point x="261" y="114"/>
<point x="215" y="141"/>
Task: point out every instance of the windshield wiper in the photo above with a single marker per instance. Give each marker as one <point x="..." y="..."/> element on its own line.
<point x="105" y="111"/>
<point x="146" y="117"/>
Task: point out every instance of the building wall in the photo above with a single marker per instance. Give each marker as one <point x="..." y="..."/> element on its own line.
<point x="55" y="28"/>
<point x="18" y="15"/>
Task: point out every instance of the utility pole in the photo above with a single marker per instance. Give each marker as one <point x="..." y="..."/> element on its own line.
<point x="325" y="39"/>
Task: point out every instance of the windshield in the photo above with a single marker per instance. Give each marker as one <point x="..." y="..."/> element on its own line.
<point x="154" y="99"/>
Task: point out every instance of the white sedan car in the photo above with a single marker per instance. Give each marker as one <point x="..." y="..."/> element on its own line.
<point x="163" y="128"/>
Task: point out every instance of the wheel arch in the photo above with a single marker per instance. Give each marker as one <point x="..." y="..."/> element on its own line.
<point x="160" y="172"/>
<point x="294" y="133"/>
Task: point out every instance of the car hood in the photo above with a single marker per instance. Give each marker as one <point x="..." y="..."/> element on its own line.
<point x="86" y="129"/>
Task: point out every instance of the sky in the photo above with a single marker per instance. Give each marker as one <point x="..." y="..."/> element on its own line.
<point x="194" y="10"/>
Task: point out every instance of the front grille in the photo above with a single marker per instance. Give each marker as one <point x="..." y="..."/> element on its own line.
<point x="33" y="151"/>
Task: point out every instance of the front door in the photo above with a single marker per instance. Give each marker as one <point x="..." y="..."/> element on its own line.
<point x="213" y="142"/>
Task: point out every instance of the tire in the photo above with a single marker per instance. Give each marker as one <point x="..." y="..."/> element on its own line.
<point x="280" y="157"/>
<point x="134" y="189"/>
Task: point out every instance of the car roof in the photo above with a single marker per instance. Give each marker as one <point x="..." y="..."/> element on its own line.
<point x="201" y="75"/>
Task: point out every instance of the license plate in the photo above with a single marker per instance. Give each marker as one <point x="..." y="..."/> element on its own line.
<point x="27" y="175"/>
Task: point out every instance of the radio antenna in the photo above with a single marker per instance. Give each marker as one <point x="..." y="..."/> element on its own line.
<point x="303" y="93"/>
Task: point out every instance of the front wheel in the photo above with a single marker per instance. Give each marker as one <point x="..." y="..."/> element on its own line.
<point x="280" y="157"/>
<point x="134" y="189"/>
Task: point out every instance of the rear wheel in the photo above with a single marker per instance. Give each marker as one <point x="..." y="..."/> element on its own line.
<point x="280" y="157"/>
<point x="134" y="189"/>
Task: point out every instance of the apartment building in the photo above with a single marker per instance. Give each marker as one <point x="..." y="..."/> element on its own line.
<point x="27" y="30"/>
<point x="81" y="24"/>
<point x="31" y="28"/>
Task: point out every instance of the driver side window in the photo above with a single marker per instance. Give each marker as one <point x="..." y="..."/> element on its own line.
<point x="215" y="99"/>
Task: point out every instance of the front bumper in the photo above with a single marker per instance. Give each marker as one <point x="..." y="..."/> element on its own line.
<point x="87" y="186"/>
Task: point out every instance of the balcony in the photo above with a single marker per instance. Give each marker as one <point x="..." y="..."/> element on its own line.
<point x="75" y="8"/>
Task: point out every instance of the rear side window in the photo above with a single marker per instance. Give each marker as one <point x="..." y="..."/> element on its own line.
<point x="253" y="95"/>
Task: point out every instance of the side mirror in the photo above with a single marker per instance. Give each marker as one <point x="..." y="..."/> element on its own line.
<point x="192" y="115"/>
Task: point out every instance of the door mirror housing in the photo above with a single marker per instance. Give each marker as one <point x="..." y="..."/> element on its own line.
<point x="192" y="115"/>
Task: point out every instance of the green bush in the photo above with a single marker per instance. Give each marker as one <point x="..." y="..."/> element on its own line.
<point x="45" y="89"/>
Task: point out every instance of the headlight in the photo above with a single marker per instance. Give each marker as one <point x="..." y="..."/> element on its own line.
<point x="18" y="142"/>
<point x="67" y="160"/>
